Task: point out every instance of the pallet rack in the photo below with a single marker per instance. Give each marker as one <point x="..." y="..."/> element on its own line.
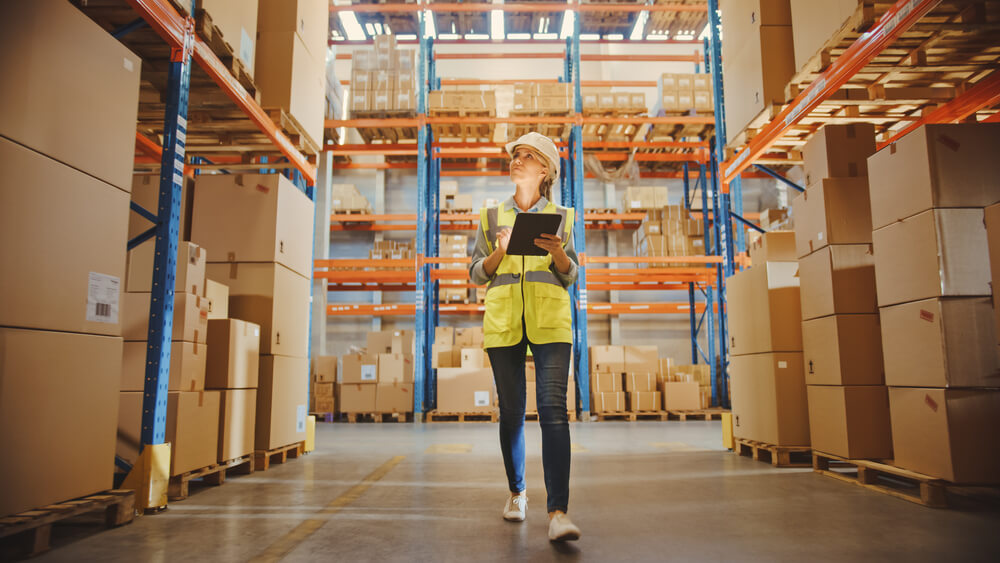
<point x="697" y="160"/>
<point x="165" y="36"/>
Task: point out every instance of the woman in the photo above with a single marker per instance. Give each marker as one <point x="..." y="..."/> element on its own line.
<point x="527" y="305"/>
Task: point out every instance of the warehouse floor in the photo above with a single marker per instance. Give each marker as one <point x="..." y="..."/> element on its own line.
<point x="647" y="491"/>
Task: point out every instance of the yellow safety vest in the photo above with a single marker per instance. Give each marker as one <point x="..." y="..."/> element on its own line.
<point x="521" y="280"/>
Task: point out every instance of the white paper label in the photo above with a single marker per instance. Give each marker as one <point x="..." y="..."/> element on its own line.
<point x="300" y="418"/>
<point x="820" y="235"/>
<point x="636" y="203"/>
<point x="246" y="48"/>
<point x="481" y="398"/>
<point x="128" y="64"/>
<point x="782" y="365"/>
<point x="396" y="256"/>
<point x="102" y="298"/>
<point x="368" y="372"/>
<point x="256" y="332"/>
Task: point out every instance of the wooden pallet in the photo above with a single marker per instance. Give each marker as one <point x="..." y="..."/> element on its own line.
<point x="293" y="130"/>
<point x="700" y="414"/>
<point x="377" y="417"/>
<point x="631" y="416"/>
<point x="469" y="133"/>
<point x="35" y="526"/>
<point x="778" y="456"/>
<point x="212" y="35"/>
<point x="435" y="416"/>
<point x="214" y="474"/>
<point x="262" y="459"/>
<point x="390" y="135"/>
<point x="884" y="478"/>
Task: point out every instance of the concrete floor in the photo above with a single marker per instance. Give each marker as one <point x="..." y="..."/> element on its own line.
<point x="646" y="491"/>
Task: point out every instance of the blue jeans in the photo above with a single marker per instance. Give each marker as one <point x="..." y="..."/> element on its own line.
<point x="551" y="375"/>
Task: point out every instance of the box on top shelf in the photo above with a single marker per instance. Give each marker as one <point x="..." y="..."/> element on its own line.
<point x="843" y="350"/>
<point x="281" y="402"/>
<point x="832" y="211"/>
<point x="813" y="23"/>
<point x="233" y="354"/>
<point x="293" y="79"/>
<point x="743" y="19"/>
<point x="764" y="309"/>
<point x="92" y="130"/>
<point x="838" y="151"/>
<point x="769" y="399"/>
<point x="947" y="342"/>
<point x="190" y="272"/>
<point x="935" y="166"/>
<point x="850" y="422"/>
<point x="838" y="279"/>
<point x="280" y="214"/>
<point x="308" y="18"/>
<point x="188" y="361"/>
<point x="937" y="253"/>
<point x="773" y="246"/>
<point x="58" y="411"/>
<point x="751" y="86"/>
<point x="272" y="296"/>
<point x="42" y="200"/>
<point x="238" y="23"/>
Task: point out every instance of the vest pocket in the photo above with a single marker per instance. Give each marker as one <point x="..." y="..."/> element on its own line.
<point x="499" y="309"/>
<point x="552" y="306"/>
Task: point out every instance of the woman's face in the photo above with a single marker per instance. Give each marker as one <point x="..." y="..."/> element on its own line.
<point x="527" y="166"/>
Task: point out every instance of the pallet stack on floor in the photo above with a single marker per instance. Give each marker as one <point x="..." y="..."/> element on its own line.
<point x="374" y="382"/>
<point x="633" y="379"/>
<point x="464" y="379"/>
<point x="64" y="205"/>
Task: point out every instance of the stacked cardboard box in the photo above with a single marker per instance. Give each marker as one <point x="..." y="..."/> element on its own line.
<point x="669" y="231"/>
<point x="379" y="379"/>
<point x="814" y="23"/>
<point x="644" y="198"/>
<point x="237" y="22"/>
<point x="453" y="246"/>
<point x="928" y="191"/>
<point x="393" y="250"/>
<point x="757" y="58"/>
<point x="607" y="370"/>
<point x="464" y="378"/>
<point x="64" y="202"/>
<point x="677" y="92"/>
<point x="543" y="97"/>
<point x="451" y="200"/>
<point x="267" y="269"/>
<point x="642" y="374"/>
<point x="690" y="387"/>
<point x="290" y="65"/>
<point x="842" y="347"/>
<point x="322" y="396"/>
<point x="347" y="198"/>
<point x="233" y="369"/>
<point x="604" y="101"/>
<point x="468" y="101"/>
<point x="774" y="219"/>
<point x="383" y="78"/>
<point x="767" y="380"/>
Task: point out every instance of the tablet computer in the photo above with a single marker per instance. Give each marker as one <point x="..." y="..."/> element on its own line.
<point x="528" y="227"/>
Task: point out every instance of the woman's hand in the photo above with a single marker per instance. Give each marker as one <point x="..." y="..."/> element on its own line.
<point x="553" y="244"/>
<point x="503" y="239"/>
<point x="492" y="261"/>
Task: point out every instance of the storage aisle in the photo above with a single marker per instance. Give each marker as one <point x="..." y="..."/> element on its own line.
<point x="640" y="492"/>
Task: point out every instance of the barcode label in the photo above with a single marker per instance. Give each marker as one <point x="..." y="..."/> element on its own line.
<point x="102" y="298"/>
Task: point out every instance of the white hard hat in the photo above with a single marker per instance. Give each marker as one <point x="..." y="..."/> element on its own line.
<point x="542" y="144"/>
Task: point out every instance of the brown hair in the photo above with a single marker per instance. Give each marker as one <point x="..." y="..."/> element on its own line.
<point x="545" y="188"/>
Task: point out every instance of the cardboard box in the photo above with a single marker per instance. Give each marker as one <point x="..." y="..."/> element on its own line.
<point x="324" y="369"/>
<point x="469" y="337"/>
<point x="641" y="359"/>
<point x="935" y="166"/>
<point x="394" y="397"/>
<point x="191" y="418"/>
<point x="89" y="265"/>
<point x="307" y="18"/>
<point x="764" y="309"/>
<point x="282" y="215"/>
<point x="832" y="211"/>
<point x="666" y="368"/>
<point x="698" y="373"/>
<point x="146" y="194"/>
<point x="402" y="342"/>
<point x="237" y="417"/>
<point x="991" y="219"/>
<point x="465" y="390"/>
<point x="751" y="85"/>
<point x="938" y="432"/>
<point x="769" y="218"/>
<point x="813" y="23"/>
<point x="644" y="401"/>
<point x="281" y="402"/>
<point x="379" y="342"/>
<point x="92" y="131"/>
<point x="474" y="358"/>
<point x="233" y="354"/>
<point x="769" y="399"/>
<point x="838" y="280"/>
<point x="445" y="356"/>
<point x="218" y="299"/>
<point x="937" y="253"/>
<point x="774" y="246"/>
<point x="850" y="422"/>
<point x="273" y="297"/>
<point x="238" y="23"/>
<point x="607" y="401"/>
<point x="187" y="366"/>
<point x="640" y="382"/>
<point x="356" y="398"/>
<point x="395" y="368"/>
<point x="290" y="77"/>
<point x="190" y="274"/>
<point x="359" y="368"/>
<point x="606" y="382"/>
<point x="743" y="19"/>
<point x="838" y="151"/>
<point x="58" y="412"/>
<point x="940" y="343"/>
<point x="190" y="317"/>
<point x="680" y="396"/>
<point x="843" y="350"/>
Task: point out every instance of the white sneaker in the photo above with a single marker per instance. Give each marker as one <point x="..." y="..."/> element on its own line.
<point x="561" y="528"/>
<point x="517" y="505"/>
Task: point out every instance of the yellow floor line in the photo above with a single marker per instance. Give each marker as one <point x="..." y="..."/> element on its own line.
<point x="292" y="539"/>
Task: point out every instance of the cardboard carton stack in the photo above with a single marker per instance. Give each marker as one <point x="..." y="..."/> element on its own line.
<point x="290" y="62"/>
<point x="393" y="250"/>
<point x="607" y="370"/>
<point x="462" y="101"/>
<point x="237" y="23"/>
<point x="642" y="373"/>
<point x="644" y="198"/>
<point x="233" y="370"/>
<point x="842" y="347"/>
<point x="767" y="380"/>
<point x="814" y="23"/>
<point x="538" y="97"/>
<point x="677" y="92"/>
<point x="358" y="383"/>
<point x="454" y="246"/>
<point x="690" y="387"/>
<point x="758" y="59"/>
<point x="775" y="220"/>
<point x="928" y="191"/>
<point x="347" y="199"/>
<point x="464" y="378"/>
<point x="64" y="206"/>
<point x="383" y="78"/>
<point x="268" y="270"/>
<point x="669" y="231"/>
<point x="453" y="201"/>
<point x="322" y="396"/>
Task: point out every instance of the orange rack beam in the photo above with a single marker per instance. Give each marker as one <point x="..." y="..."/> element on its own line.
<point x="409" y="309"/>
<point x="515" y="7"/>
<point x="465" y="221"/>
